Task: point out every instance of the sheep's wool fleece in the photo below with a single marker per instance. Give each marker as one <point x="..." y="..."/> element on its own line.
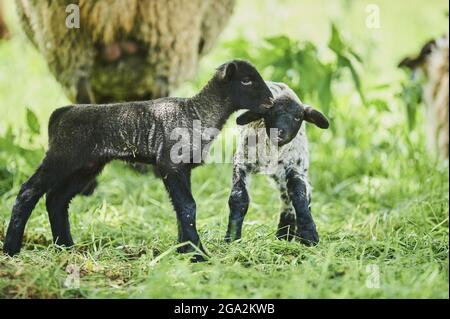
<point x="175" y="33"/>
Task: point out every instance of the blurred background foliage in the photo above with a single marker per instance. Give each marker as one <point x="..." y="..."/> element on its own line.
<point x="379" y="195"/>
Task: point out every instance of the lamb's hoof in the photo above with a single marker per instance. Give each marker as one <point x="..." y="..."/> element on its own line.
<point x="286" y="233"/>
<point x="11" y="249"/>
<point x="229" y="238"/>
<point x="308" y="236"/>
<point x="89" y="189"/>
<point x="197" y="258"/>
<point x="64" y="244"/>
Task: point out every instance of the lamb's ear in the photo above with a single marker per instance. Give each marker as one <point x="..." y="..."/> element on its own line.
<point x="248" y="117"/>
<point x="315" y="117"/>
<point x="227" y="70"/>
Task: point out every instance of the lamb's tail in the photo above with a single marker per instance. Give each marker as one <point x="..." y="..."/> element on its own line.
<point x="54" y="118"/>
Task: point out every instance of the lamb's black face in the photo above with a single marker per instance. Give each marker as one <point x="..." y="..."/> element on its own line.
<point x="245" y="87"/>
<point x="286" y="116"/>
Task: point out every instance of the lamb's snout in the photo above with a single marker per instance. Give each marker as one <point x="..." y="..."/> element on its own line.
<point x="281" y="138"/>
<point x="281" y="134"/>
<point x="270" y="102"/>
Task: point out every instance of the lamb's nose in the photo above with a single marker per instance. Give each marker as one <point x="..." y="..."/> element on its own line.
<point x="269" y="103"/>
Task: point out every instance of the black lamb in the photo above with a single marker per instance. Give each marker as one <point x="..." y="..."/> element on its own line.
<point x="84" y="138"/>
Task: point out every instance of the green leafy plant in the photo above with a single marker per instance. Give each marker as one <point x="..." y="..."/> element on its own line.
<point x="411" y="94"/>
<point x="298" y="64"/>
<point x="16" y="160"/>
<point x="33" y="122"/>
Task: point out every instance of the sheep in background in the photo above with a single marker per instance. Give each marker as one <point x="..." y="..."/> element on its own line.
<point x="433" y="60"/>
<point x="4" y="33"/>
<point x="125" y="49"/>
<point x="291" y="172"/>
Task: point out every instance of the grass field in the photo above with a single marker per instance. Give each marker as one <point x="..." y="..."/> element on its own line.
<point x="380" y="201"/>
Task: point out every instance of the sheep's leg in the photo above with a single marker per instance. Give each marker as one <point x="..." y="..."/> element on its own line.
<point x="287" y="224"/>
<point x="178" y="185"/>
<point x="238" y="204"/>
<point x="58" y="200"/>
<point x="31" y="191"/>
<point x="297" y="191"/>
<point x="85" y="95"/>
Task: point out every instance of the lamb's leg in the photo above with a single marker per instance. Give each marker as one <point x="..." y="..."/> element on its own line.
<point x="238" y="204"/>
<point x="89" y="188"/>
<point x="58" y="200"/>
<point x="31" y="191"/>
<point x="178" y="185"/>
<point x="287" y="225"/>
<point x="85" y="95"/>
<point x="297" y="191"/>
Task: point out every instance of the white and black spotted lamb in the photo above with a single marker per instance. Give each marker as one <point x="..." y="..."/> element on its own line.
<point x="84" y="138"/>
<point x="291" y="171"/>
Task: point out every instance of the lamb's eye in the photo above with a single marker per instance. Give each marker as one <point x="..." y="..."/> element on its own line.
<point x="297" y="118"/>
<point x="246" y="82"/>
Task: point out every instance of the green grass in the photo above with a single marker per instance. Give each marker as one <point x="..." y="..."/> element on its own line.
<point x="379" y="200"/>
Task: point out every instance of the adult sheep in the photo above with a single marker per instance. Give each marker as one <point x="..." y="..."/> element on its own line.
<point x="433" y="59"/>
<point x="124" y="49"/>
